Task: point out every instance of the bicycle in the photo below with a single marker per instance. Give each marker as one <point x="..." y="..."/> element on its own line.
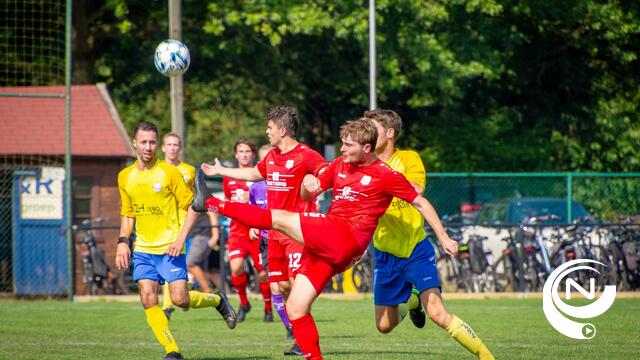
<point x="97" y="274"/>
<point x="362" y="274"/>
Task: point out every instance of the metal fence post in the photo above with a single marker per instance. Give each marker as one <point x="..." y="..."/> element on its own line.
<point x="569" y="197"/>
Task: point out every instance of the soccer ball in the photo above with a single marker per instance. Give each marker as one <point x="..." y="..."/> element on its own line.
<point x="172" y="58"/>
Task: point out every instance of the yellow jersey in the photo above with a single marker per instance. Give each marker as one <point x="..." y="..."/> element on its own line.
<point x="155" y="198"/>
<point x="402" y="226"/>
<point x="188" y="174"/>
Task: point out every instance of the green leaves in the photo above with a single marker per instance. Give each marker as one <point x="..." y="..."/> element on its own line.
<point x="490" y="85"/>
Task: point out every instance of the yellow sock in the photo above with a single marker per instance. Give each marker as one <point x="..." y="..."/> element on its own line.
<point x="166" y="298"/>
<point x="199" y="299"/>
<point x="160" y="327"/>
<point x="403" y="310"/>
<point x="464" y="335"/>
<point x="414" y="300"/>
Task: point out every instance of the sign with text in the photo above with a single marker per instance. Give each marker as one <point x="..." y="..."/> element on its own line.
<point x="42" y="198"/>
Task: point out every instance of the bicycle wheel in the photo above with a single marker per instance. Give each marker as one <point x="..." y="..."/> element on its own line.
<point x="447" y="273"/>
<point x="465" y="280"/>
<point x="503" y="274"/>
<point x="362" y="278"/>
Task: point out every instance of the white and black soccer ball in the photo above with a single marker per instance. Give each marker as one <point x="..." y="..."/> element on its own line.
<point x="172" y="58"/>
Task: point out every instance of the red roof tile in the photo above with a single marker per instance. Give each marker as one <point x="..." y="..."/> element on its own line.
<point x="30" y="125"/>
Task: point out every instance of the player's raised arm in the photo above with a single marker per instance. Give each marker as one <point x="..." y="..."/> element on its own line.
<point x="429" y="213"/>
<point x="246" y="174"/>
<point x="310" y="188"/>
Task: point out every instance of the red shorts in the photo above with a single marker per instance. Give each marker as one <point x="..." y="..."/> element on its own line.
<point x="284" y="258"/>
<point x="241" y="247"/>
<point x="330" y="247"/>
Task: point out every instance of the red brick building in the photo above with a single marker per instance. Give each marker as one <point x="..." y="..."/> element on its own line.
<point x="33" y="134"/>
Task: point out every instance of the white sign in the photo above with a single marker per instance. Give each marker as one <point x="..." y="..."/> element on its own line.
<point x="555" y="309"/>
<point x="42" y="198"/>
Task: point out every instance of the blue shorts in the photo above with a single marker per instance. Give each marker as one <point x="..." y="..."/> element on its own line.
<point x="394" y="277"/>
<point x="159" y="268"/>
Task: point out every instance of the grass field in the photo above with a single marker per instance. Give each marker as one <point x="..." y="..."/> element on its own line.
<point x="511" y="328"/>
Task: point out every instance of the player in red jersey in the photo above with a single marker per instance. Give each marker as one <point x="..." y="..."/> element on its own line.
<point x="363" y="189"/>
<point x="240" y="245"/>
<point x="284" y="168"/>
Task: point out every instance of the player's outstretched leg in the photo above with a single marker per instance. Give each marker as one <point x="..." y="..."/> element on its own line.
<point x="458" y="329"/>
<point x="218" y="300"/>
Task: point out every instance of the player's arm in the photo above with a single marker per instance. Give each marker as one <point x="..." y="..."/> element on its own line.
<point x="429" y="213"/>
<point x="127" y="221"/>
<point x="246" y="174"/>
<point x="310" y="188"/>
<point x="123" y="253"/>
<point x="176" y="247"/>
<point x="313" y="186"/>
<point x="184" y="198"/>
<point x="215" y="230"/>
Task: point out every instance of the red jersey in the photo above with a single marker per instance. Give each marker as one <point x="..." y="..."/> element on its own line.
<point x="284" y="174"/>
<point x="362" y="194"/>
<point x="237" y="191"/>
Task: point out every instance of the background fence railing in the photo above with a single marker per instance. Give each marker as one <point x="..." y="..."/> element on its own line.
<point x="605" y="196"/>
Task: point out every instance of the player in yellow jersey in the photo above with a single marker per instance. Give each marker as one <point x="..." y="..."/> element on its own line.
<point x="171" y="147"/>
<point x="403" y="258"/>
<point x="153" y="196"/>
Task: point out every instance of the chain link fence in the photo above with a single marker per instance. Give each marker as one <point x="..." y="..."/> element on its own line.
<point x="490" y="198"/>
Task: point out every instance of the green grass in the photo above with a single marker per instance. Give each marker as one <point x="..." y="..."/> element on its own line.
<point x="512" y="329"/>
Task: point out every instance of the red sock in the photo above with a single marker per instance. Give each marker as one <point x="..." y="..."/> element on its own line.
<point x="265" y="289"/>
<point x="249" y="215"/>
<point x="306" y="334"/>
<point x="240" y="284"/>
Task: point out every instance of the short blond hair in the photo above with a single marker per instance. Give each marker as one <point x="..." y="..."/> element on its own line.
<point x="172" y="134"/>
<point x="362" y="130"/>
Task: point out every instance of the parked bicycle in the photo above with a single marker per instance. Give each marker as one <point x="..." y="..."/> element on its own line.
<point x="97" y="274"/>
<point x="362" y="274"/>
<point x="624" y="251"/>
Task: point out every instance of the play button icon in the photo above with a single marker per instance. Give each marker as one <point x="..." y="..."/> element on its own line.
<point x="588" y="331"/>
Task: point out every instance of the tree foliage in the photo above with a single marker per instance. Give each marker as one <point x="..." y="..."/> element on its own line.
<point x="492" y="85"/>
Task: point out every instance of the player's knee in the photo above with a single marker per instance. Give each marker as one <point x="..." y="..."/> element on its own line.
<point x="384" y="328"/>
<point x="284" y="287"/>
<point x="437" y="314"/>
<point x="148" y="298"/>
<point x="295" y="310"/>
<point x="181" y="302"/>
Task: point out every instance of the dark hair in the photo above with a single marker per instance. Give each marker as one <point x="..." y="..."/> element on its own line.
<point x="285" y="117"/>
<point x="145" y="126"/>
<point x="247" y="142"/>
<point x="363" y="131"/>
<point x="388" y="118"/>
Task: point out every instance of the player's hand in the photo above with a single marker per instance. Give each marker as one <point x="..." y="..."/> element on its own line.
<point x="311" y="184"/>
<point x="213" y="242"/>
<point x="254" y="234"/>
<point x="175" y="248"/>
<point x="450" y="246"/>
<point x="123" y="254"/>
<point x="212" y="170"/>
